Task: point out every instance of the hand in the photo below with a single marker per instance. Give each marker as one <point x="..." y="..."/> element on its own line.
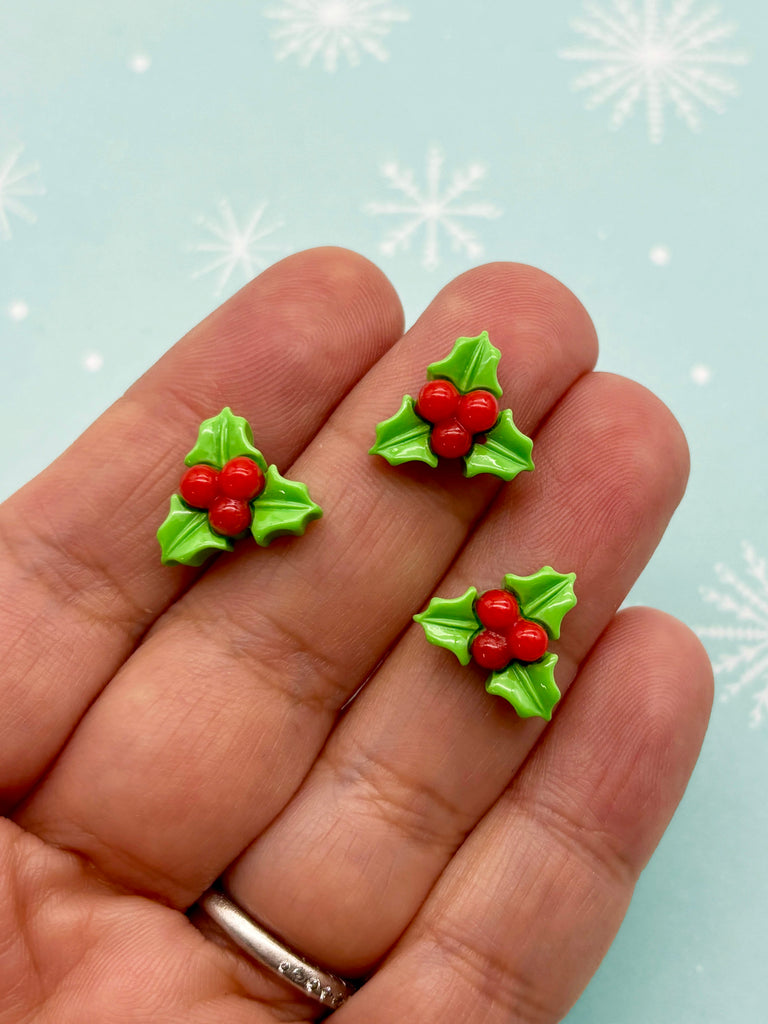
<point x="161" y="727"/>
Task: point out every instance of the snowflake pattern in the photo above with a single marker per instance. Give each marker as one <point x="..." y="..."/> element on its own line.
<point x="664" y="58"/>
<point x="435" y="208"/>
<point x="748" y="603"/>
<point x="333" y="28"/>
<point x="236" y="248"/>
<point x="16" y="184"/>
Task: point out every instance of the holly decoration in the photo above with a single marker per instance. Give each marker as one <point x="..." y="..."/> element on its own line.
<point x="508" y="631"/>
<point x="227" y="492"/>
<point x="457" y="416"/>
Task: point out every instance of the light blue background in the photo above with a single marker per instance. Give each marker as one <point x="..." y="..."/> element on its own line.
<point x="130" y="160"/>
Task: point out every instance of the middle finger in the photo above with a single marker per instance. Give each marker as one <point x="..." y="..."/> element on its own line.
<point x="424" y="751"/>
<point x="211" y="726"/>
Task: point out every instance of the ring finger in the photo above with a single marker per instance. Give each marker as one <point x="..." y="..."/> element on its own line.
<point x="424" y="752"/>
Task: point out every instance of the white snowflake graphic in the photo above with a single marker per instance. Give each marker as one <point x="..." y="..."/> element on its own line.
<point x="436" y="208"/>
<point x="16" y="184"/>
<point x="646" y="54"/>
<point x="333" y="28"/>
<point x="236" y="248"/>
<point x="747" y="603"/>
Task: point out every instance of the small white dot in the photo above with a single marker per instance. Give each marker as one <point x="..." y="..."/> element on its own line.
<point x="602" y="234"/>
<point x="139" y="63"/>
<point x="699" y="968"/>
<point x="701" y="374"/>
<point x="18" y="310"/>
<point x="93" y="361"/>
<point x="660" y="255"/>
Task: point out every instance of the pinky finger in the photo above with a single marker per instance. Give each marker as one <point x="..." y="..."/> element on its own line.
<point x="523" y="915"/>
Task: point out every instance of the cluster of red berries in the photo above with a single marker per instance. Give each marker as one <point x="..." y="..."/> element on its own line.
<point x="507" y="637"/>
<point x="225" y="493"/>
<point x="455" y="417"/>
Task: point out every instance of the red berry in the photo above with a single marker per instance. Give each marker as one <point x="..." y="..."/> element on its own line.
<point x="438" y="400"/>
<point x="241" y="478"/>
<point x="497" y="609"/>
<point x="491" y="650"/>
<point x="478" y="411"/>
<point x="527" y="640"/>
<point x="199" y="486"/>
<point x="450" y="440"/>
<point x="229" y="516"/>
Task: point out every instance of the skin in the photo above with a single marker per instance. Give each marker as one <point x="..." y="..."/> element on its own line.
<point x="161" y="727"/>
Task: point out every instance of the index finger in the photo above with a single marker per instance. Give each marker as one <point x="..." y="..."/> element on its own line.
<point x="232" y="695"/>
<point x="81" y="574"/>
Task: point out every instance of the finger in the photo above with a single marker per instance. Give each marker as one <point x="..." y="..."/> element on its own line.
<point x="234" y="693"/>
<point x="520" y="920"/>
<point x="74" y="950"/>
<point x="81" y="576"/>
<point x="424" y="751"/>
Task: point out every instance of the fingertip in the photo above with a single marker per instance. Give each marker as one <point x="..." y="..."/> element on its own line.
<point x="637" y="455"/>
<point x="540" y="304"/>
<point x="545" y="335"/>
<point x="344" y="277"/>
<point x="646" y="417"/>
<point x="679" y="675"/>
<point x="647" y="692"/>
<point x="310" y="321"/>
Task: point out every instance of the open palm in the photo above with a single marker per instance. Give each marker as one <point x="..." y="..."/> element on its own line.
<point x="161" y="727"/>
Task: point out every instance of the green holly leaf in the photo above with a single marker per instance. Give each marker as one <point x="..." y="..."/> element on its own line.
<point x="451" y="623"/>
<point x="505" y="452"/>
<point x="545" y="597"/>
<point x="404" y="437"/>
<point x="471" y="364"/>
<point x="284" y="506"/>
<point x="530" y="689"/>
<point x="186" y="537"/>
<point x="222" y="438"/>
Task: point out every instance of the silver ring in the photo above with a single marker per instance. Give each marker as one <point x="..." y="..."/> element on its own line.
<point x="320" y="985"/>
